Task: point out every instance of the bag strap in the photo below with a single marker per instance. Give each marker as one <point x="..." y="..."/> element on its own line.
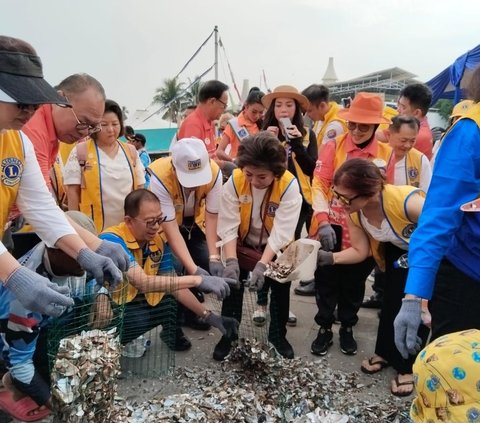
<point x="82" y="160"/>
<point x="266" y="199"/>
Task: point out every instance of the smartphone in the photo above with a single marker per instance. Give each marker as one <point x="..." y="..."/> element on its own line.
<point x="285" y="123"/>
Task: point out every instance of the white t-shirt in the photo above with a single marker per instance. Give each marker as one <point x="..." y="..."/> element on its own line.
<point x="333" y="130"/>
<point x="400" y="177"/>
<point x="116" y="181"/>
<point x="384" y="233"/>
<point x="36" y="202"/>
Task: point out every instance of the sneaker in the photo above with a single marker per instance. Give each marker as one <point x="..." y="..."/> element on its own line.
<point x="322" y="342"/>
<point x="222" y="349"/>
<point x="259" y="317"/>
<point x="292" y="319"/>
<point x="375" y="301"/>
<point x="284" y="348"/>
<point x="348" y="345"/>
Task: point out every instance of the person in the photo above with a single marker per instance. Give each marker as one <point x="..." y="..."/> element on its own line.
<point x="446" y="380"/>
<point x="188" y="185"/>
<point x="212" y="102"/>
<point x="129" y="133"/>
<point x="151" y="277"/>
<point x="414" y="101"/>
<point x="101" y="171"/>
<point x="381" y="219"/>
<point x="22" y="91"/>
<point x="260" y="206"/>
<point x="301" y="145"/>
<point x="139" y="141"/>
<point x="247" y="123"/>
<point x="343" y="285"/>
<point x="444" y="258"/>
<point x="324" y="113"/>
<point x="411" y="167"/>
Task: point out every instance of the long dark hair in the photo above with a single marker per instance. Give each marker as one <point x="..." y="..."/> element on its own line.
<point x="271" y="120"/>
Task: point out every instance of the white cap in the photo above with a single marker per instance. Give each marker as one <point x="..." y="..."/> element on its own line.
<point x="191" y="162"/>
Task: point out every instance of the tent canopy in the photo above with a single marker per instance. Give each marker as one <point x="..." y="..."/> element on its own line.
<point x="452" y="81"/>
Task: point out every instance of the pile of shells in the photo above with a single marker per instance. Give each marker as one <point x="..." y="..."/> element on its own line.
<point x="256" y="385"/>
<point x="84" y="377"/>
<point x="278" y="270"/>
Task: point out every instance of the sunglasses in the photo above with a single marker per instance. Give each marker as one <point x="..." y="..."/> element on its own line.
<point x="362" y="127"/>
<point x="150" y="223"/>
<point x="343" y="199"/>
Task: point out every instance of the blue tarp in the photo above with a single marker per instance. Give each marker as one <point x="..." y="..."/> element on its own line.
<point x="452" y="81"/>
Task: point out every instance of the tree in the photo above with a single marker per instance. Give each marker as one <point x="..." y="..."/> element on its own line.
<point x="444" y="107"/>
<point x="164" y="95"/>
<point x="191" y="96"/>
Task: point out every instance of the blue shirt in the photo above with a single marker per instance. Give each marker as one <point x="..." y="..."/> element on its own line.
<point x="443" y="229"/>
<point x="145" y="159"/>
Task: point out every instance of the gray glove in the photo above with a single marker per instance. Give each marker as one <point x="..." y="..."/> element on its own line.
<point x="118" y="255"/>
<point x="406" y="327"/>
<point x="100" y="266"/>
<point x="325" y="258"/>
<point x="218" y="286"/>
<point x="257" y="279"/>
<point x="37" y="293"/>
<point x="201" y="272"/>
<point x="228" y="326"/>
<point x="215" y="267"/>
<point x="232" y="270"/>
<point x="327" y="237"/>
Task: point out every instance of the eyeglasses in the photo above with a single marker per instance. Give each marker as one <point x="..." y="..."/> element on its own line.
<point x="362" y="127"/>
<point x="225" y="105"/>
<point x="84" y="126"/>
<point x="345" y="200"/>
<point x="24" y="107"/>
<point x="150" y="223"/>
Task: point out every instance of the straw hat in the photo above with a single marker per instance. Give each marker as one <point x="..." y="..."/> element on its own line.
<point x="365" y="108"/>
<point x="286" y="91"/>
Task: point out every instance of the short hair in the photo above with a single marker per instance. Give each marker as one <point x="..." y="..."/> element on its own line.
<point x="262" y="150"/>
<point x="474" y="86"/>
<point x="254" y="96"/>
<point x="317" y="94"/>
<point x="398" y="121"/>
<point x="361" y="176"/>
<point x="135" y="199"/>
<point x="419" y="96"/>
<point x="79" y="83"/>
<point x="191" y="107"/>
<point x="16" y="45"/>
<point x="112" y="107"/>
<point x="140" y="138"/>
<point x="211" y="89"/>
<point x="129" y="131"/>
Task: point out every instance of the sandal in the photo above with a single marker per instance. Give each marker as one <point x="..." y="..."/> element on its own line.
<point x="398" y="383"/>
<point x="259" y="317"/>
<point x="372" y="362"/>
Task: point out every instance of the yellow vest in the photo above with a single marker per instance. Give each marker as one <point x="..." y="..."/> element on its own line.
<point x="12" y="156"/>
<point x="91" y="187"/>
<point x="150" y="266"/>
<point x="164" y="171"/>
<point x="304" y="181"/>
<point x="244" y="194"/>
<point x="56" y="179"/>
<point x="394" y="199"/>
<point x="413" y="167"/>
<point x="330" y="117"/>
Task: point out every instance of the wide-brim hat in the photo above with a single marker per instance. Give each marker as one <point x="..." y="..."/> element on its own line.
<point x="192" y="163"/>
<point x="286" y="91"/>
<point x="365" y="108"/>
<point x="21" y="78"/>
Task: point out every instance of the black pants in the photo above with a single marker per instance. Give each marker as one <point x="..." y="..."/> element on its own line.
<point x="380" y="281"/>
<point x="305" y="218"/>
<point x="279" y="305"/>
<point x="454" y="304"/>
<point x="342" y="285"/>
<point x="392" y="300"/>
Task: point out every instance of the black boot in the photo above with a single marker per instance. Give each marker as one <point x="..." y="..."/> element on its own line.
<point x="222" y="349"/>
<point x="322" y="342"/>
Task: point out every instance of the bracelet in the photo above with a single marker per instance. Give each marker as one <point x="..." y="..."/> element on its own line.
<point x="214" y="257"/>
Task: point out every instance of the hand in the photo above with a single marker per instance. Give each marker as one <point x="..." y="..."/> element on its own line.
<point x="218" y="286"/>
<point x="293" y="132"/>
<point x="232" y="270"/>
<point x="201" y="272"/>
<point x="228" y="326"/>
<point x="327" y="237"/>
<point x="325" y="258"/>
<point x="273" y="130"/>
<point x="258" y="278"/>
<point x="113" y="251"/>
<point x="215" y="267"/>
<point x="100" y="266"/>
<point x="101" y="312"/>
<point x="406" y="327"/>
<point x="37" y="293"/>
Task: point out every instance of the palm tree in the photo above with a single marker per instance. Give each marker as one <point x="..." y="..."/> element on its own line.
<point x="192" y="94"/>
<point x="164" y="95"/>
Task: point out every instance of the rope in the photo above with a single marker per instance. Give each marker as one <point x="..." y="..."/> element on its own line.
<point x="220" y="43"/>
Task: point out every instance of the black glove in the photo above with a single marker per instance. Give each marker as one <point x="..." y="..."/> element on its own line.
<point x="325" y="258"/>
<point x="228" y="326"/>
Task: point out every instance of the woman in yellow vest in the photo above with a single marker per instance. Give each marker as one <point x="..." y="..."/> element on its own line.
<point x="381" y="219"/>
<point x="101" y="171"/>
<point x="259" y="209"/>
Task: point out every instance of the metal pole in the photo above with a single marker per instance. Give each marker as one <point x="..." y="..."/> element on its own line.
<point x="215" y="30"/>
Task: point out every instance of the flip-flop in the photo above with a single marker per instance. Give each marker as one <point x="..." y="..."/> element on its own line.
<point x="382" y="363"/>
<point x="398" y="383"/>
<point x="20" y="409"/>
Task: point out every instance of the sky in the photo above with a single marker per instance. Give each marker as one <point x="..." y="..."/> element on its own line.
<point x="131" y="46"/>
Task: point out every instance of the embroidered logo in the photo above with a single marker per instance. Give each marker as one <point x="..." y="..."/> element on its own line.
<point x="12" y="169"/>
<point x="271" y="209"/>
<point x="156" y="256"/>
<point x="412" y="173"/>
<point x="408" y="230"/>
<point x="194" y="164"/>
<point x="332" y="133"/>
